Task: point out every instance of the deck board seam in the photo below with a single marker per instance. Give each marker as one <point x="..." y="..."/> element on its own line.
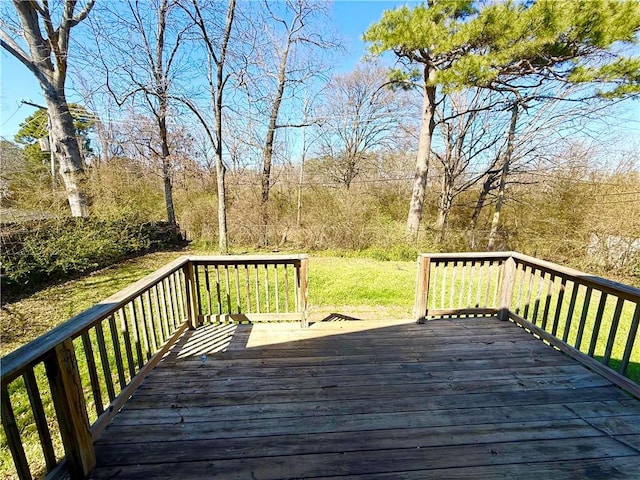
<point x="604" y="432"/>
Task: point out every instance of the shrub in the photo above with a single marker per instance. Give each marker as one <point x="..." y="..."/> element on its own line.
<point x="52" y="250"/>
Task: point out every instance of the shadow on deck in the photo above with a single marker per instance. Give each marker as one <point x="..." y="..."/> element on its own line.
<point x="450" y="399"/>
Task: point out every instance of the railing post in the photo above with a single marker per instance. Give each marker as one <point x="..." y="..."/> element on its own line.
<point x="190" y="295"/>
<point x="508" y="281"/>
<point x="420" y="306"/>
<point x="68" y="400"/>
<point x="303" y="278"/>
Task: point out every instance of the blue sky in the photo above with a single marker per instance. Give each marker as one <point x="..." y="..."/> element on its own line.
<point x="16" y="83"/>
<point x="351" y="19"/>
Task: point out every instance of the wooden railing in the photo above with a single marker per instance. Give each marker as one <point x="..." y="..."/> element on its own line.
<point x="69" y="383"/>
<point x="251" y="288"/>
<point x="590" y="318"/>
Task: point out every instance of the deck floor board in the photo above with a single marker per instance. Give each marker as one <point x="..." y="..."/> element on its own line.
<point x="454" y="398"/>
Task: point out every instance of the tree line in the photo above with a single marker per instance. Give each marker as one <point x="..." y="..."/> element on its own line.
<point x="236" y="97"/>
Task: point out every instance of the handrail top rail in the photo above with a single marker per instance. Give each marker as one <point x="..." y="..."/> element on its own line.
<point x="14" y="363"/>
<point x="609" y="286"/>
<point x="275" y="258"/>
<point x="466" y="255"/>
<point x="604" y="284"/>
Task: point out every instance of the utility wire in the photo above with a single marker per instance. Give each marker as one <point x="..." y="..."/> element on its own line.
<point x="12" y="115"/>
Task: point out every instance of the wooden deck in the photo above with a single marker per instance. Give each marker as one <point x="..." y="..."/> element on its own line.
<point x="451" y="399"/>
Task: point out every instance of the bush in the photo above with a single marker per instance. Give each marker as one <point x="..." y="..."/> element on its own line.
<point x="52" y="250"/>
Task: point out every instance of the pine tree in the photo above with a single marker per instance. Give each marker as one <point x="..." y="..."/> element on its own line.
<point x="507" y="46"/>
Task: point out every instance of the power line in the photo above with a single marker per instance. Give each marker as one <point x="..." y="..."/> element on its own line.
<point x="12" y="115"/>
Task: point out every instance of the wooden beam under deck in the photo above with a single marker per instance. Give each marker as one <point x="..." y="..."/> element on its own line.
<point x="450" y="399"/>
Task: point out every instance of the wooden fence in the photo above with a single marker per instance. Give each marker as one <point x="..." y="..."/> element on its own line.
<point x="590" y="318"/>
<point x="69" y="383"/>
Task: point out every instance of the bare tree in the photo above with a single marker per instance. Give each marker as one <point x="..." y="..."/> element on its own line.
<point x="471" y="139"/>
<point x="359" y="116"/>
<point x="46" y="57"/>
<point x="141" y="59"/>
<point x="217" y="79"/>
<point x="294" y="46"/>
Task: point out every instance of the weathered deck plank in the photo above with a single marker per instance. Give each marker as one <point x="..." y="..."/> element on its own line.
<point x="468" y="398"/>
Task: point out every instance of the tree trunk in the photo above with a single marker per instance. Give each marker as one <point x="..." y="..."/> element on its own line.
<point x="424" y="151"/>
<point x="271" y="133"/>
<point x="66" y="148"/>
<point x="166" y="163"/>
<point x="221" y="169"/>
<point x="47" y="60"/>
<point x="495" y="223"/>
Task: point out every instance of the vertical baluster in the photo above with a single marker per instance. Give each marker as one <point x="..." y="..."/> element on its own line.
<point x="237" y="277"/>
<point x="478" y="283"/>
<point x="189" y="305"/>
<point x="523" y="269"/>
<point x="13" y="435"/>
<point x="536" y="305"/>
<point x="136" y="333"/>
<point x="303" y="292"/>
<point x="208" y="287"/>
<point x="228" y="289"/>
<point x="596" y="327"/>
<point x="35" y="400"/>
<point x="277" y="287"/>
<point x="104" y="360"/>
<point x="572" y="305"/>
<point x="444" y="284"/>
<point x="463" y="279"/>
<point x="149" y="319"/>
<point x="547" y="301"/>
<point x="218" y="291"/>
<point x="152" y="317"/>
<point x="145" y="329"/>
<point x="173" y="301"/>
<point x="296" y="285"/>
<point x="471" y="268"/>
<point x="126" y="338"/>
<point x="181" y="291"/>
<point x="198" y="292"/>
<point x="632" y="336"/>
<point x="496" y="288"/>
<point x="162" y="323"/>
<point x="162" y="290"/>
<point x="180" y="294"/>
<point x="489" y="266"/>
<point x="93" y="373"/>
<point x="612" y="331"/>
<point x="286" y="288"/>
<point x="556" y="317"/>
<point x="452" y="288"/>
<point x="115" y="340"/>
<point x="163" y="328"/>
<point x="257" y="289"/>
<point x="247" y="288"/>
<point x="532" y="275"/>
<point x="583" y="317"/>
<point x="266" y="288"/>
